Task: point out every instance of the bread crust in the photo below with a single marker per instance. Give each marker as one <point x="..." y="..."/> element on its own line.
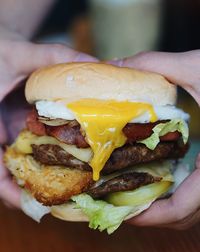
<point x="75" y="81"/>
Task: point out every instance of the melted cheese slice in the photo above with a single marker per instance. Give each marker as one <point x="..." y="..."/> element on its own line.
<point x="25" y="139"/>
<point x="102" y="122"/>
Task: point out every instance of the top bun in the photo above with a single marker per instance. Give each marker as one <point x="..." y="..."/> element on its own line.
<point x="75" y="81"/>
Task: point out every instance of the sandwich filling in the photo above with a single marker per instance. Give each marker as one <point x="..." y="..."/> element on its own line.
<point x="100" y="145"/>
<point x="103" y="121"/>
<point x="104" y="126"/>
<point x="99" y="149"/>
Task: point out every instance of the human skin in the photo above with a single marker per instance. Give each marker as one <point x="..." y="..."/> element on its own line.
<point x="182" y="209"/>
<point x="18" y="59"/>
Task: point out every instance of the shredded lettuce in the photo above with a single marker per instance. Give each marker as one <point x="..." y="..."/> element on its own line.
<point x="101" y="214"/>
<point x="163" y="128"/>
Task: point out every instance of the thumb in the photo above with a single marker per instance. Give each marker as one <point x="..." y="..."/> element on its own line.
<point x="163" y="63"/>
<point x="179" y="68"/>
<point x="39" y="55"/>
<point x="17" y="64"/>
<point x="176" y="208"/>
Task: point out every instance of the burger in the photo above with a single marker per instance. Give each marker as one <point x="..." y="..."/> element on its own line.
<point x="100" y="144"/>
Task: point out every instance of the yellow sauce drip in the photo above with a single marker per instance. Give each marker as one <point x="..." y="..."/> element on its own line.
<point x="103" y="121"/>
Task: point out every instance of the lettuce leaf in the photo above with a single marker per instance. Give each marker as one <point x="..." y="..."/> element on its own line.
<point x="163" y="128"/>
<point x="101" y="214"/>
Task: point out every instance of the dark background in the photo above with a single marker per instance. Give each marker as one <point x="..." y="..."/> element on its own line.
<point x="180" y="22"/>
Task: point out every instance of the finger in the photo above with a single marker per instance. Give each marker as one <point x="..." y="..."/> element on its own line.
<point x="9" y="191"/>
<point x="167" y="64"/>
<point x="28" y="57"/>
<point x="159" y="62"/>
<point x="39" y="55"/>
<point x="7" y="204"/>
<point x="3" y="135"/>
<point x="184" y="224"/>
<point x="183" y="202"/>
<point x="179" y="68"/>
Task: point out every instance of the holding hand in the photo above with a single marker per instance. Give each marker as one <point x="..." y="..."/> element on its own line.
<point x="18" y="59"/>
<point x="179" y="68"/>
<point x="181" y="210"/>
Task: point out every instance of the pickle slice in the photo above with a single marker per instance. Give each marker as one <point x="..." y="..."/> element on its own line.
<point x="139" y="196"/>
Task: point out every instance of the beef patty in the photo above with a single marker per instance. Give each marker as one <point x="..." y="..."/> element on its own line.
<point x="125" y="182"/>
<point x="123" y="157"/>
<point x="54" y="185"/>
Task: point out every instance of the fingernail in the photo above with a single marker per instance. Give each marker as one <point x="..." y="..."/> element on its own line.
<point x="81" y="57"/>
<point x="116" y="62"/>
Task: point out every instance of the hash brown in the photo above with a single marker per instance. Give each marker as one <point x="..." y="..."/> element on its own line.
<point x="50" y="185"/>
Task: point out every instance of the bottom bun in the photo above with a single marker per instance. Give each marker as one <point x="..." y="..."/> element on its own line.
<point x="66" y="212"/>
<point x="69" y="212"/>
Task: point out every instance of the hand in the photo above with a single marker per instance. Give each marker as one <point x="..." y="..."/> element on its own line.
<point x="179" y="68"/>
<point x="182" y="209"/>
<point x="19" y="58"/>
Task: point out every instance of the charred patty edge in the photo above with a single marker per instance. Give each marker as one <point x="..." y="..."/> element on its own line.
<point x="121" y="158"/>
<point x="124" y="182"/>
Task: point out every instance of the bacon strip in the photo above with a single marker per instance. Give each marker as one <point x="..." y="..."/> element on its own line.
<point x="137" y="131"/>
<point x="34" y="125"/>
<point x="68" y="134"/>
<point x="71" y="133"/>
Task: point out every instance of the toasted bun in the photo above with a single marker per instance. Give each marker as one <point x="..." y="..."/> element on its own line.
<point x="74" y="81"/>
<point x="69" y="212"/>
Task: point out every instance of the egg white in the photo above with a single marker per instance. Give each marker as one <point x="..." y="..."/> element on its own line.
<point x="55" y="110"/>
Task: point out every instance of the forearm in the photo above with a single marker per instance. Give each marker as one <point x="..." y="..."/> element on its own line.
<point x="21" y="18"/>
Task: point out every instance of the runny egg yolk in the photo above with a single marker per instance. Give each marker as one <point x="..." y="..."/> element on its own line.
<point x="103" y="122"/>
